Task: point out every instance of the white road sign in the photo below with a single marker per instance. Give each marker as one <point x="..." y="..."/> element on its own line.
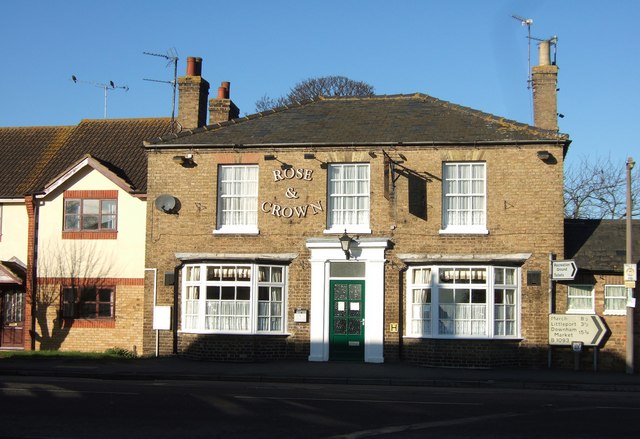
<point x="564" y="270"/>
<point x="565" y="329"/>
<point x="630" y="271"/>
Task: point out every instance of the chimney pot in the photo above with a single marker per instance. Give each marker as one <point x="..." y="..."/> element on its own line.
<point x="227" y="86"/>
<point x="222" y="93"/>
<point x="194" y="66"/>
<point x="544" y="57"/>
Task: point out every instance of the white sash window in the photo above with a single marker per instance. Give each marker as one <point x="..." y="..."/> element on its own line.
<point x="464" y="198"/>
<point x="349" y="198"/>
<point x="238" y="199"/>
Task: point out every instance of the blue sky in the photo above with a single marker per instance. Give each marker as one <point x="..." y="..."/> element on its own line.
<point x="471" y="53"/>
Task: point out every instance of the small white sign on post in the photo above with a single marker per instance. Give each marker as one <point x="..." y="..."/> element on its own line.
<point x="564" y="270"/>
<point x="630" y="272"/>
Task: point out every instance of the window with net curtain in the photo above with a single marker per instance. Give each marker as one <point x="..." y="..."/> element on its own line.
<point x="464" y="197"/>
<point x="242" y="298"/>
<point x="348" y="197"/>
<point x="580" y="299"/>
<point x="615" y="299"/>
<point x="458" y="301"/>
<point x="238" y="198"/>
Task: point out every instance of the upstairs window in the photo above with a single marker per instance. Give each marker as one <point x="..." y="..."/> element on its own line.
<point x="238" y="199"/>
<point x="89" y="214"/>
<point x="464" y="198"/>
<point x="349" y="198"/>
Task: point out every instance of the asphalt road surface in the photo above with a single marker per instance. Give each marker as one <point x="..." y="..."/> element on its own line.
<point x="33" y="407"/>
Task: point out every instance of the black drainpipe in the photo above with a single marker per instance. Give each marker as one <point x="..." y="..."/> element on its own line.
<point x="176" y="302"/>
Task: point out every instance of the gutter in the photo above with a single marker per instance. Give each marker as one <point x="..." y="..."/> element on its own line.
<point x="152" y="145"/>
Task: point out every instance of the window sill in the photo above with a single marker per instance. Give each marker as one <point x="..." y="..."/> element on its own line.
<point x="111" y="234"/>
<point x="580" y="311"/>
<point x="203" y="332"/>
<point x="464" y="337"/>
<point x="463" y="231"/>
<point x="353" y="230"/>
<point x="237" y="231"/>
<point x="88" y="323"/>
<point x="615" y="313"/>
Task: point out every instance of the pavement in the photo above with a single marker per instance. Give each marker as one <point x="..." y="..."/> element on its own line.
<point x="394" y="374"/>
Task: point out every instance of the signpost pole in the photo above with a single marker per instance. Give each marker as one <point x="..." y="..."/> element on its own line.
<point x="552" y="305"/>
<point x="630" y="309"/>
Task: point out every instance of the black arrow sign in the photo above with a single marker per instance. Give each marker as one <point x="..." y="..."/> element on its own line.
<point x="596" y="338"/>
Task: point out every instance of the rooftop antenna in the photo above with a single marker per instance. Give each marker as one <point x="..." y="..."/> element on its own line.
<point x="527" y="22"/>
<point x="172" y="57"/>
<point x="106" y="87"/>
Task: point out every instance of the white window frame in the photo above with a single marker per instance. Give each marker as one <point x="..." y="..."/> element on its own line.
<point x="194" y="310"/>
<point x="335" y="198"/>
<point x="608" y="290"/>
<point x="573" y="292"/>
<point x="248" y="212"/>
<point x="425" y="280"/>
<point x="452" y="183"/>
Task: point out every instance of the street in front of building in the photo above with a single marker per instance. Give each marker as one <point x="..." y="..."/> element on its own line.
<point x="59" y="407"/>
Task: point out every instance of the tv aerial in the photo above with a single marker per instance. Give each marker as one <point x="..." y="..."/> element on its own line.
<point x="106" y="87"/>
<point x="527" y="22"/>
<point x="172" y="57"/>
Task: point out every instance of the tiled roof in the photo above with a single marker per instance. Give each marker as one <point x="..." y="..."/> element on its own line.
<point x="600" y="245"/>
<point x="363" y="120"/>
<point x="117" y="143"/>
<point x="23" y="151"/>
<point x="39" y="154"/>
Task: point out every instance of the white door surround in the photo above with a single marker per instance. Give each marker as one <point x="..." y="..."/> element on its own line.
<point x="367" y="250"/>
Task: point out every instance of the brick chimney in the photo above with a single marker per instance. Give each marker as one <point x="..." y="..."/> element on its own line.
<point x="193" y="94"/>
<point x="221" y="108"/>
<point x="544" y="79"/>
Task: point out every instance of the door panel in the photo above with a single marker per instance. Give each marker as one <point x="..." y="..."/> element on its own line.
<point x="12" y="316"/>
<point x="347" y="320"/>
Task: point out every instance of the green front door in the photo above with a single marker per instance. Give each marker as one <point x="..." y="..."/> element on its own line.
<point x="346" y="335"/>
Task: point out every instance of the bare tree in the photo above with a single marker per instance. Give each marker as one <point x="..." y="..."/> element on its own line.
<point x="71" y="264"/>
<point x="597" y="188"/>
<point x="313" y="87"/>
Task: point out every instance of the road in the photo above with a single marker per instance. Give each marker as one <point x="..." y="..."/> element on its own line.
<point x="33" y="407"/>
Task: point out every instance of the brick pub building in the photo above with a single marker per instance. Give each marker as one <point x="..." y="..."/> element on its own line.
<point x="382" y="228"/>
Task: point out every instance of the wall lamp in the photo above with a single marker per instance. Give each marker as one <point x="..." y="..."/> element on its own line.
<point x="543" y="155"/>
<point x="345" y="243"/>
<point x="185" y="160"/>
<point x="283" y="165"/>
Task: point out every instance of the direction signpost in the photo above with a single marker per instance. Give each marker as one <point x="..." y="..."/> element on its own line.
<point x="565" y="329"/>
<point x="564" y="270"/>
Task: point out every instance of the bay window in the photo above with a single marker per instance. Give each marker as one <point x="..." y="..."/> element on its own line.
<point x="459" y="301"/>
<point x="233" y="298"/>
